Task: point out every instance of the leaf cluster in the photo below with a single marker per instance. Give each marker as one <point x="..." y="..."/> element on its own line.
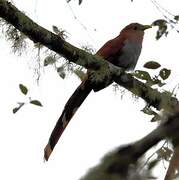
<point x="63" y="67"/>
<point x="24" y="90"/>
<point x="166" y="25"/>
<point x="158" y="80"/>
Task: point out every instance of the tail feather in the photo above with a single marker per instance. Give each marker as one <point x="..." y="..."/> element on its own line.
<point x="70" y="109"/>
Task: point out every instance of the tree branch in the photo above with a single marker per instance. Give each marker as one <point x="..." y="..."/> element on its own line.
<point x="159" y="100"/>
<point x="54" y="42"/>
<point x="117" y="163"/>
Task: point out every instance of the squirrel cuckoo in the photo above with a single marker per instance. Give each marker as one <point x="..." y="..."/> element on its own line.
<point x="122" y="51"/>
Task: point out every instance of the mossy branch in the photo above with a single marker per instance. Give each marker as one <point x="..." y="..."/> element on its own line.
<point x="54" y="42"/>
<point x="117" y="164"/>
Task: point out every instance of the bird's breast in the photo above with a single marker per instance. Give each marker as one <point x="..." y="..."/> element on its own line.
<point x="129" y="55"/>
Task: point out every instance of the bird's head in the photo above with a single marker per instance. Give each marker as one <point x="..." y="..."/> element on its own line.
<point x="136" y="27"/>
<point x="134" y="31"/>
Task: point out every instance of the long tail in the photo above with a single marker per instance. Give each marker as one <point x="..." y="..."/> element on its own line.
<point x="70" y="109"/>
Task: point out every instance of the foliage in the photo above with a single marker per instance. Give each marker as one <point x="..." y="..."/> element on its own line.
<point x="24" y="90"/>
<point x="60" y="32"/>
<point x="152" y="65"/>
<point x="136" y="171"/>
<point x="158" y="80"/>
<point x="167" y="23"/>
<point x="63" y="67"/>
<point x="79" y="1"/>
<point x="164" y="26"/>
<point x="36" y="102"/>
<point x="19" y="44"/>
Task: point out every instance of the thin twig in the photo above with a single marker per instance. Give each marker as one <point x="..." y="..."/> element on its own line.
<point x="81" y="24"/>
<point x="148" y="159"/>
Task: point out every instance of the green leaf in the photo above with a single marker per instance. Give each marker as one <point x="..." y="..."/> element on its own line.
<point x="61" y="72"/>
<point x="159" y="22"/>
<point x="152" y="65"/>
<point x="62" y="75"/>
<point x="162" y="28"/>
<point x="176" y="18"/>
<point x="23" y="89"/>
<point x="144" y="75"/>
<point x="165" y="73"/>
<point x="156" y="118"/>
<point x="148" y="110"/>
<point x="80" y="1"/>
<point x="17" y="108"/>
<point x="155" y="81"/>
<point x="49" y="60"/>
<point x="36" y="102"/>
<point x="55" y="29"/>
<point x="164" y="153"/>
<point x="153" y="163"/>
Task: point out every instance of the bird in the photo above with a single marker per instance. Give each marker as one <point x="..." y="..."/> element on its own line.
<point x="122" y="51"/>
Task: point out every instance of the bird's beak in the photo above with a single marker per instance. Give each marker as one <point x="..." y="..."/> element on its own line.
<point x="144" y="27"/>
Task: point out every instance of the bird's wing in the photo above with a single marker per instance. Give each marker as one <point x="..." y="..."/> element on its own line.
<point x="111" y="47"/>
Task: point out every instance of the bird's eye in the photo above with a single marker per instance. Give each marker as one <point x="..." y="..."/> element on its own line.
<point x="135" y="27"/>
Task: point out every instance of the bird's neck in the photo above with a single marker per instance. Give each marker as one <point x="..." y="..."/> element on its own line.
<point x="134" y="37"/>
